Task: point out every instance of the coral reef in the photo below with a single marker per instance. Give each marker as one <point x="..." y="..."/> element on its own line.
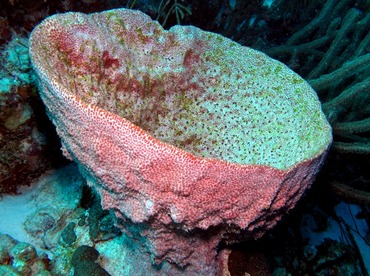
<point x="84" y="262"/>
<point x="55" y="217"/>
<point x="28" y="143"/>
<point x="327" y="43"/>
<point x="136" y="118"/>
<point x="336" y="64"/>
<point x="15" y="67"/>
<point x="22" y="16"/>
<point x="21" y="258"/>
<point x="5" y="32"/>
<point x="331" y="50"/>
<point x="329" y="37"/>
<point x="284" y="250"/>
<point x="167" y="8"/>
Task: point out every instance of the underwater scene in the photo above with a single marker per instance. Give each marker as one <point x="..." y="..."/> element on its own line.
<point x="181" y="137"/>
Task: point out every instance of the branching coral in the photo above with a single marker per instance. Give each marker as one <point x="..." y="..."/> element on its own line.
<point x="332" y="51"/>
<point x="326" y="42"/>
<point x="169" y="7"/>
<point x="329" y="45"/>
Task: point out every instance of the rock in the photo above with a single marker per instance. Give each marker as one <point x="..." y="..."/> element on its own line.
<point x="25" y="252"/>
<point x="39" y="222"/>
<point x="68" y="234"/>
<point x="22" y="267"/>
<point x="41" y="266"/>
<point x="7" y="270"/>
<point x="4" y="256"/>
<point x="84" y="262"/>
<point x="28" y="143"/>
<point x="189" y="137"/>
<point x="7" y="243"/>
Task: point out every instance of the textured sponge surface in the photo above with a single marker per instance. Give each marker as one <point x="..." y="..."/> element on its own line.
<point x="151" y="117"/>
<point x="192" y="89"/>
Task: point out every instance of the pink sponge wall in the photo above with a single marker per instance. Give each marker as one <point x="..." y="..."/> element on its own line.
<point x="188" y="136"/>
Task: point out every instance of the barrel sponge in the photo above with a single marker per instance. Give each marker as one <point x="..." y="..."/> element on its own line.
<point x="195" y="90"/>
<point x="188" y="136"/>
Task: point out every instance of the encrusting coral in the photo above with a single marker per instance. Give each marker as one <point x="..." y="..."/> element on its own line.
<point x="189" y="137"/>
